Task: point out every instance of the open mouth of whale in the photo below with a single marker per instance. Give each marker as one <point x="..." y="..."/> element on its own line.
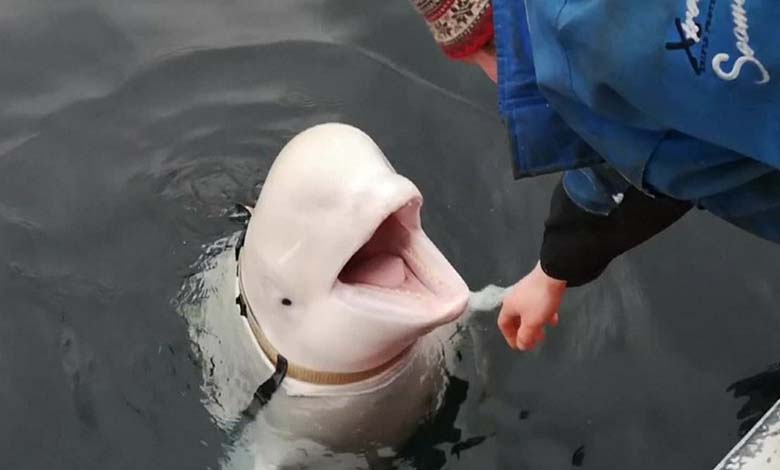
<point x="398" y="270"/>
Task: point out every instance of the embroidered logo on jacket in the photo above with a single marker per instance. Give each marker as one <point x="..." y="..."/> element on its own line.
<point x="694" y="41"/>
<point x="694" y="38"/>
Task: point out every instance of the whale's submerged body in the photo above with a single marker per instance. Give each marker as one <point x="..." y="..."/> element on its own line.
<point x="337" y="277"/>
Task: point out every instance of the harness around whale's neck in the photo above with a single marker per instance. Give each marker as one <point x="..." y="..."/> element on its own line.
<point x="297" y="371"/>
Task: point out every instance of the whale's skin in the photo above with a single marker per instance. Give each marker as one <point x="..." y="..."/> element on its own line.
<point x="306" y="425"/>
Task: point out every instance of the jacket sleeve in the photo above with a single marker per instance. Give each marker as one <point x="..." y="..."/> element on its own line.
<point x="578" y="245"/>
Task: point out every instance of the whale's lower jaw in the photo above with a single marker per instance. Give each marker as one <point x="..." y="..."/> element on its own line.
<point x="400" y="268"/>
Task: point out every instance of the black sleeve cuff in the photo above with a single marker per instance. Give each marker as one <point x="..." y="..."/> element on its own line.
<point x="578" y="245"/>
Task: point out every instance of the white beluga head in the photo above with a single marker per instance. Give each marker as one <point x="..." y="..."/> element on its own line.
<point x="336" y="269"/>
<point x="336" y="275"/>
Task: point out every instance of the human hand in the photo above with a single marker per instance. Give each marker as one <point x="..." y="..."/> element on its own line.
<point x="531" y="305"/>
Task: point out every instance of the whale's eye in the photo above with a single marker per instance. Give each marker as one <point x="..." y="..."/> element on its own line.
<point x="286" y="302"/>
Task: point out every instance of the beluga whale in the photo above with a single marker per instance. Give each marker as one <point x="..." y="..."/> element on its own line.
<point x="328" y="328"/>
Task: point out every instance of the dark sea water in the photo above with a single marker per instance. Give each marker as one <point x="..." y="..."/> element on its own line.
<point x="129" y="129"/>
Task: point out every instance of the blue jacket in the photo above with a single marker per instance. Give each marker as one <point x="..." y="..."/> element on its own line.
<point x="678" y="97"/>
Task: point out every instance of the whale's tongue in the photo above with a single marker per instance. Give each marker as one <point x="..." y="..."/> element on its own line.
<point x="384" y="260"/>
<point x="383" y="270"/>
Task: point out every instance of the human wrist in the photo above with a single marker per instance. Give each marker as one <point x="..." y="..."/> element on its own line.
<point x="551" y="284"/>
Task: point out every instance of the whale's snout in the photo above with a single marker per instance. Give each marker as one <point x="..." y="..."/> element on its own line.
<point x="336" y="267"/>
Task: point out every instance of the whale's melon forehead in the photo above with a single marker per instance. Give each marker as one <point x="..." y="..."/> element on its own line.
<point x="326" y="193"/>
<point x="331" y="150"/>
<point x="330" y="169"/>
